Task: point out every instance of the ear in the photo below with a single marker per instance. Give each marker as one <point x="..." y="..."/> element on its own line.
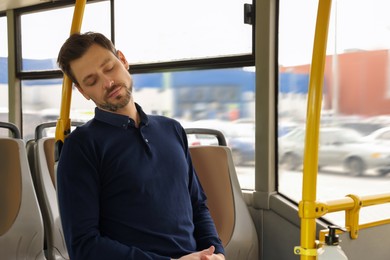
<point x="82" y="92"/>
<point x="122" y="58"/>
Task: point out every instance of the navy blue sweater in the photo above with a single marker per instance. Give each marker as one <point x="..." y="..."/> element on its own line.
<point x="131" y="193"/>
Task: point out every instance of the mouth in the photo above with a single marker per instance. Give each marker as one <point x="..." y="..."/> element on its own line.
<point x="114" y="92"/>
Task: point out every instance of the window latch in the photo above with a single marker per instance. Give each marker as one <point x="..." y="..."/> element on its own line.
<point x="249" y="14"/>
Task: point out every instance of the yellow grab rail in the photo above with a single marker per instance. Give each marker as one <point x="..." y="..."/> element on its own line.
<point x="352" y="204"/>
<point x="63" y="122"/>
<point x="307" y="206"/>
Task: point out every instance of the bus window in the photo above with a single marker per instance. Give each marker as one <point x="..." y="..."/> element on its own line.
<point x="175" y="30"/>
<point x="216" y="98"/>
<point x="44" y="32"/>
<point x="355" y="97"/>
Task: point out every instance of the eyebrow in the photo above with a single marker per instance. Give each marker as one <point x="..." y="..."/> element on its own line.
<point x="85" y="79"/>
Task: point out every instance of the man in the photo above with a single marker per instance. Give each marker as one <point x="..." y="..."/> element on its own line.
<point x="127" y="188"/>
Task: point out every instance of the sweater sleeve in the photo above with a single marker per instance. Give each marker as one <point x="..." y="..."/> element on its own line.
<point x="78" y="187"/>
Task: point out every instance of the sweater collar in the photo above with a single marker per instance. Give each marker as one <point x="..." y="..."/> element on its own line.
<point x="119" y="120"/>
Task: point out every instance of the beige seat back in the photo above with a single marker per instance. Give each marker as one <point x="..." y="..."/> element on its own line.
<point x="21" y="225"/>
<point x="41" y="156"/>
<point x="216" y="172"/>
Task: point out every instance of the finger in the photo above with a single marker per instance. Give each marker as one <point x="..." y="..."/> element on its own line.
<point x="211" y="250"/>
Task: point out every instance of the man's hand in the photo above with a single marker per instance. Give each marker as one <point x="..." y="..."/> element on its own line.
<point x="207" y="254"/>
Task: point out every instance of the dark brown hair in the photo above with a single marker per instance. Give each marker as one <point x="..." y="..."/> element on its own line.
<point x="76" y="46"/>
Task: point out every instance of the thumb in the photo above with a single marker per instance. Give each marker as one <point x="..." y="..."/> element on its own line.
<point x="208" y="252"/>
<point x="211" y="250"/>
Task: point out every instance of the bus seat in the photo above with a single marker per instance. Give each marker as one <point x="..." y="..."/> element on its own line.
<point x="41" y="156"/>
<point x="215" y="168"/>
<point x="42" y="162"/>
<point x="21" y="225"/>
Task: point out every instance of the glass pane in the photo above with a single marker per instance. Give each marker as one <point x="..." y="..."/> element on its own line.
<point x="3" y="73"/>
<point x="153" y="31"/>
<point x="42" y="103"/>
<point x="43" y="33"/>
<point x="353" y="159"/>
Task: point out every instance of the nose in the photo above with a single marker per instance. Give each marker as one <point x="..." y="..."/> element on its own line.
<point x="108" y="83"/>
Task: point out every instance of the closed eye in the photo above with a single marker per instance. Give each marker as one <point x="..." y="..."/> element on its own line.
<point x="110" y="68"/>
<point x="90" y="81"/>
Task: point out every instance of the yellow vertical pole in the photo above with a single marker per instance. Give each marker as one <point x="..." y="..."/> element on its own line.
<point x="310" y="167"/>
<point x="63" y="123"/>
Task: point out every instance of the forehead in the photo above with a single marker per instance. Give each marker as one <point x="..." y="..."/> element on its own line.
<point x="95" y="57"/>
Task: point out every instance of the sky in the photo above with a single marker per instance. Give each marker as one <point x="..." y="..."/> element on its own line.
<point x="361" y="24"/>
<point x="146" y="32"/>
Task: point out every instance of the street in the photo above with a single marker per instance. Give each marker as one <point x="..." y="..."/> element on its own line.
<point x="332" y="183"/>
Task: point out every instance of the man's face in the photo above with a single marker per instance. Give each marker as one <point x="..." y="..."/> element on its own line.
<point x="104" y="78"/>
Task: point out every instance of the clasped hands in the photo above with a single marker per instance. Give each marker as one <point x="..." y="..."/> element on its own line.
<point x="207" y="254"/>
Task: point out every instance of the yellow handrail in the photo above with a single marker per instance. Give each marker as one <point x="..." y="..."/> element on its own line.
<point x="307" y="206"/>
<point x="63" y="122"/>
<point x="352" y="205"/>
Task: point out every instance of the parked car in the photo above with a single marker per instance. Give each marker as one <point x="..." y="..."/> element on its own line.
<point x="284" y="127"/>
<point x="243" y="149"/>
<point x="241" y="139"/>
<point x="337" y="147"/>
<point x="201" y="139"/>
<point x="363" y="127"/>
<point x="382" y="135"/>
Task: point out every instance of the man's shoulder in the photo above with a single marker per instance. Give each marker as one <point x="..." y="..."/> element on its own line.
<point x="163" y="119"/>
<point x="84" y="130"/>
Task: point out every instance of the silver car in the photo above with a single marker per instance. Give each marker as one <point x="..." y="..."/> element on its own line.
<point x="337" y="147"/>
<point x="382" y="135"/>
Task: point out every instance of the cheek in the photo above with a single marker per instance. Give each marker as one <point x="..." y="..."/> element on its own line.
<point x="126" y="74"/>
<point x="127" y="81"/>
<point x="96" y="94"/>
